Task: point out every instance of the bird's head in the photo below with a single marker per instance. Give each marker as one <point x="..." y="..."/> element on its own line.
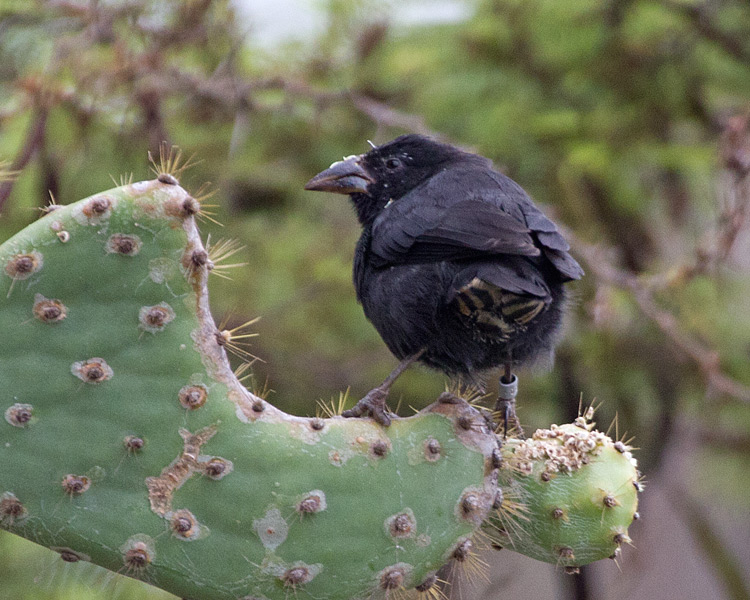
<point x="388" y="172"/>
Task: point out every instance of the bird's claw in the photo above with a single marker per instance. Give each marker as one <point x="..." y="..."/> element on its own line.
<point x="372" y="405"/>
<point x="507" y="408"/>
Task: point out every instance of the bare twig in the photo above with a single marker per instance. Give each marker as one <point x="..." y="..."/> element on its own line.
<point x="700" y="16"/>
<point x="233" y="93"/>
<point x="706" y="359"/>
<point x="34" y="141"/>
<point x="383" y="114"/>
<point x="724" y="439"/>
<point x="734" y="197"/>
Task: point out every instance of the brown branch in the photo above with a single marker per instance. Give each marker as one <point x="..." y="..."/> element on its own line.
<point x="154" y="81"/>
<point x="234" y="94"/>
<point x="383" y="114"/>
<point x="726" y="440"/>
<point x="154" y="125"/>
<point x="734" y="194"/>
<point x="735" y="154"/>
<point x="700" y="18"/>
<point x="705" y="358"/>
<point x="34" y="141"/>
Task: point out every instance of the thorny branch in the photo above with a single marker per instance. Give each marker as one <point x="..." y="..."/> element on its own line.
<point x="712" y="253"/>
<point x="734" y="196"/>
<point x="142" y="78"/>
<point x="235" y="94"/>
<point x="706" y="359"/>
<point x="701" y="17"/>
<point x="34" y="141"/>
<point x="382" y="114"/>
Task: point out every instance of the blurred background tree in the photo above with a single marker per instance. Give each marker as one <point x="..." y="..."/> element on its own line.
<point x="628" y="120"/>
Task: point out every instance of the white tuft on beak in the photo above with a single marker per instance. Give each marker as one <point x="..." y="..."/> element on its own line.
<point x="338" y="162"/>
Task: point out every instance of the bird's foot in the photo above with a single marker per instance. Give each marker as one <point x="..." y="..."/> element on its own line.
<point x="372" y="405"/>
<point x="511" y="422"/>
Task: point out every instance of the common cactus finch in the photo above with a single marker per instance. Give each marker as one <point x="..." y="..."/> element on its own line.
<point x="456" y="267"/>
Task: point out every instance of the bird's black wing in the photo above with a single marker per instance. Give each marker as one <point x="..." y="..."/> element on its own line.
<point x="468" y="213"/>
<point x="446" y="218"/>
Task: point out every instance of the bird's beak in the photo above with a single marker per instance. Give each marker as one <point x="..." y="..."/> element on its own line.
<point x="346" y="176"/>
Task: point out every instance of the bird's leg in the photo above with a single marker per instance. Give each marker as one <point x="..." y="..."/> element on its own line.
<point x="506" y="401"/>
<point x="373" y="404"/>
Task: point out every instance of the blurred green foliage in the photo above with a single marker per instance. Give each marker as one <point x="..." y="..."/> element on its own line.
<point x="609" y="113"/>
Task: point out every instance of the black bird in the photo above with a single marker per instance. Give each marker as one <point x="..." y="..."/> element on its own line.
<point x="455" y="267"/>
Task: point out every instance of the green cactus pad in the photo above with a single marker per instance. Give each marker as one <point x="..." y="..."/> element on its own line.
<point x="128" y="442"/>
<point x="569" y="495"/>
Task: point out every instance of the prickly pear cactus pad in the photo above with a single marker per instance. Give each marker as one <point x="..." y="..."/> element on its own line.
<point x="569" y="495"/>
<point x="128" y="442"/>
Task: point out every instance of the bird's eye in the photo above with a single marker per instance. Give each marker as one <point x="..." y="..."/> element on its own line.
<point x="392" y="163"/>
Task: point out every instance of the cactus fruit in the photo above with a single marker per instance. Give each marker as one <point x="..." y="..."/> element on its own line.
<point x="569" y="495"/>
<point x="128" y="442"/>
